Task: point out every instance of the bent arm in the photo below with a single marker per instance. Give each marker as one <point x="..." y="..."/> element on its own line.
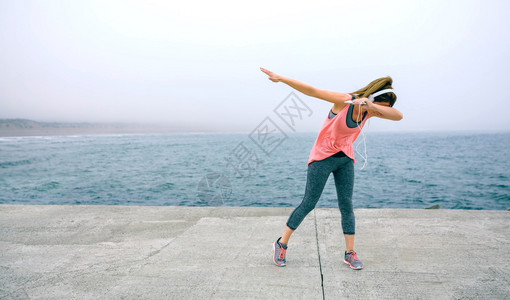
<point x="385" y="112"/>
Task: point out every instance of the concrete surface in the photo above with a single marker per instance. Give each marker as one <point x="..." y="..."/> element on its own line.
<point x="128" y="252"/>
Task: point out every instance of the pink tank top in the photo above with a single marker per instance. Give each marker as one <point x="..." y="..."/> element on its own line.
<point x="336" y="136"/>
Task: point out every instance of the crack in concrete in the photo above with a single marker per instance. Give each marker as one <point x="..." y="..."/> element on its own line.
<point x="318" y="253"/>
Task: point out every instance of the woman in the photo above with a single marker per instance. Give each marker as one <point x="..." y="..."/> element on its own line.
<point x="333" y="153"/>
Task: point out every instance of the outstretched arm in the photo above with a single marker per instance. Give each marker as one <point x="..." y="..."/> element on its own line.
<point x="333" y="97"/>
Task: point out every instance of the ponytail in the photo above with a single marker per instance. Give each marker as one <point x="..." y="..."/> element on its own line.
<point x="375" y="86"/>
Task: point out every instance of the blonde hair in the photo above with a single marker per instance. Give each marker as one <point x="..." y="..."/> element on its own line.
<point x="378" y="85"/>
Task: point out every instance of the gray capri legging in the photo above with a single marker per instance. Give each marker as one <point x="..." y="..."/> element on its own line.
<point x="317" y="176"/>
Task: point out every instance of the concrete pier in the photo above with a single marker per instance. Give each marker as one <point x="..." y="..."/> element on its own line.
<point x="128" y="252"/>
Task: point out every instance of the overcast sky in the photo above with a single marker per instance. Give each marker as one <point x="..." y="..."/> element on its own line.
<point x="196" y="63"/>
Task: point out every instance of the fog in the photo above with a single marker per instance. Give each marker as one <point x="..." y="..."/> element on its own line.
<point x="195" y="64"/>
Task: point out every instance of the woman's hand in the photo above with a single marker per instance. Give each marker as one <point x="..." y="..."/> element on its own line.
<point x="369" y="106"/>
<point x="361" y="100"/>
<point x="272" y="76"/>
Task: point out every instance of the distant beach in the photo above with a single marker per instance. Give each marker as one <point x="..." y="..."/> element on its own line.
<point x="25" y="127"/>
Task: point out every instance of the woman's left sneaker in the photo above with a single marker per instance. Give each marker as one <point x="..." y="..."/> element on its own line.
<point x="279" y="253"/>
<point x="352" y="260"/>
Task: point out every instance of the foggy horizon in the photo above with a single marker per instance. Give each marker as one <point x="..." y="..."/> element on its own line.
<point x="195" y="66"/>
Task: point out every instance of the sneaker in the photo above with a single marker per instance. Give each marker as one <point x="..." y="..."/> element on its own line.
<point x="352" y="260"/>
<point x="279" y="253"/>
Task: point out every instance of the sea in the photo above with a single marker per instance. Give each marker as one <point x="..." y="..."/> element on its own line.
<point x="456" y="170"/>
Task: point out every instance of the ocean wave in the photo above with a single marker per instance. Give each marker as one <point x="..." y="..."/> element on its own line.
<point x="7" y="164"/>
<point x="151" y="170"/>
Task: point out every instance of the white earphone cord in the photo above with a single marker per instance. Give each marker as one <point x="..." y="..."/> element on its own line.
<point x="364" y="140"/>
<point x="371" y="97"/>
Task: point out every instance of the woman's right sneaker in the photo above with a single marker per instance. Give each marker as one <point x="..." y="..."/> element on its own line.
<point x="279" y="253"/>
<point x="352" y="260"/>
